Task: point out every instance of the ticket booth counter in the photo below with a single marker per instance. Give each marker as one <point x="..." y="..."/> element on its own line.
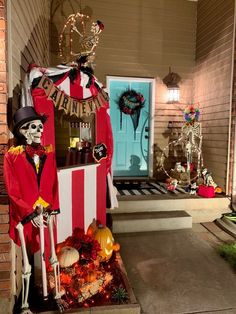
<point x="81" y="197"/>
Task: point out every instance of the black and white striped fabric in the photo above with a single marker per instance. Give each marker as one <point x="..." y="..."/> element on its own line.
<point x="127" y="188"/>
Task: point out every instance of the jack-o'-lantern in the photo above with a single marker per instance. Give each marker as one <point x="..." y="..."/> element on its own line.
<point x="67" y="256"/>
<point x="104" y="237"/>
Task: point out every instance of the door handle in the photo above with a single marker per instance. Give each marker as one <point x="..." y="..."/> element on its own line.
<point x="146" y="129"/>
<point x="146" y="136"/>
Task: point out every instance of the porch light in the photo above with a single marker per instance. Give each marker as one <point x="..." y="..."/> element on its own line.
<point x="171" y="80"/>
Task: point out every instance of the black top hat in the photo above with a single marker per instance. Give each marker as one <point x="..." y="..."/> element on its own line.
<point x="23" y="115"/>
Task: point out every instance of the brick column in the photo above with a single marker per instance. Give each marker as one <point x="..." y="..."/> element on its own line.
<point x="5" y="244"/>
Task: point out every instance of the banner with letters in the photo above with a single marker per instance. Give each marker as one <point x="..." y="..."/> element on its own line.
<point x="70" y="105"/>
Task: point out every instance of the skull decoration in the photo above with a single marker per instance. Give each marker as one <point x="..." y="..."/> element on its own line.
<point x="32" y="131"/>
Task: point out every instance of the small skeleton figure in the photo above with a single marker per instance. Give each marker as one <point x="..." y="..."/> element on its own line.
<point x="193" y="188"/>
<point x="31" y="180"/>
<point x="208" y="180"/>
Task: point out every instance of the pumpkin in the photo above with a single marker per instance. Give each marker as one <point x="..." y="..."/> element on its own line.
<point x="116" y="247"/>
<point x="67" y="256"/>
<point x="92" y="228"/>
<point x="104" y="237"/>
<point x="218" y="190"/>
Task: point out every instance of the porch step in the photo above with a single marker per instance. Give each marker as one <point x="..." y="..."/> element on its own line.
<point x="151" y="221"/>
<point x="227" y="225"/>
<point x="201" y="209"/>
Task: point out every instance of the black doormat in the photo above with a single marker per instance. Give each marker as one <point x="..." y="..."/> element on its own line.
<point x="144" y="188"/>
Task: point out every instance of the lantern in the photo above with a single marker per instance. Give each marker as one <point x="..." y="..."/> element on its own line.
<point x="171" y="80"/>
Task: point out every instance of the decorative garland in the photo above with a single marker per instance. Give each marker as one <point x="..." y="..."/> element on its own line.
<point x="130" y="102"/>
<point x="191" y="114"/>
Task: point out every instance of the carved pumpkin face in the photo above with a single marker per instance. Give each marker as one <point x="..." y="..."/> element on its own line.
<point x="67" y="256"/>
<point x="104" y="237"/>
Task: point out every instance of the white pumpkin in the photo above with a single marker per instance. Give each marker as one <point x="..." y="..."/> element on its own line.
<point x="67" y="256"/>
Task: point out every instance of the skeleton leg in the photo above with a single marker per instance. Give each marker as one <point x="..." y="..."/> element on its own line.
<point x="55" y="265"/>
<point x="42" y="256"/>
<point x="26" y="271"/>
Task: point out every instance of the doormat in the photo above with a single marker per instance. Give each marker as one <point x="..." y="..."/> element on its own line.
<point x="144" y="188"/>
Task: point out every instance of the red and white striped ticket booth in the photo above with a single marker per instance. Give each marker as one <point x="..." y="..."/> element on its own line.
<point x="82" y="188"/>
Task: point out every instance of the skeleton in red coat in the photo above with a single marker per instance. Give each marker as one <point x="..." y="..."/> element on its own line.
<point x="31" y="179"/>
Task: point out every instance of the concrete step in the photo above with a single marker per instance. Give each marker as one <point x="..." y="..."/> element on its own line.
<point x="201" y="209"/>
<point x="227" y="225"/>
<point x="151" y="221"/>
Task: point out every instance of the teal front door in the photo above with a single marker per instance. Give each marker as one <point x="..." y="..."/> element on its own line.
<point x="131" y="147"/>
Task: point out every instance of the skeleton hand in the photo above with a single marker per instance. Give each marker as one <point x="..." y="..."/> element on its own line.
<point x="62" y="305"/>
<point x="41" y="218"/>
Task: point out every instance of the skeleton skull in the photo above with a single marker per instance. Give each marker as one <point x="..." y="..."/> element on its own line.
<point x="32" y="131"/>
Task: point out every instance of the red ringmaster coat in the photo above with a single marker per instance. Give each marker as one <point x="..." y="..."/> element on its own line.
<point x="25" y="187"/>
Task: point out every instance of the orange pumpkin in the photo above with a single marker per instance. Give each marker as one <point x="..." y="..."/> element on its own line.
<point x="116" y="247"/>
<point x="104" y="237"/>
<point x="92" y="228"/>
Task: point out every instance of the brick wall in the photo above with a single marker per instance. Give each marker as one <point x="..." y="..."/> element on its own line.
<point x="5" y="244"/>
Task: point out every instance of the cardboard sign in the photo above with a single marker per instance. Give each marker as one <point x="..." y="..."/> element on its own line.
<point x="99" y="152"/>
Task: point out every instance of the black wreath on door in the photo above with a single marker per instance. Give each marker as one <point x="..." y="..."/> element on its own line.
<point x="130" y="103"/>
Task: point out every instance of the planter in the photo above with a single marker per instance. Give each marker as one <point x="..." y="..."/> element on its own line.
<point x="130" y="307"/>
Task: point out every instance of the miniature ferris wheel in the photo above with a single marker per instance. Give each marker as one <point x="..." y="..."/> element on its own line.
<point x="79" y="37"/>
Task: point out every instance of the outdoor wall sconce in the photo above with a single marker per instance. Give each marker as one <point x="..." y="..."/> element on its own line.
<point x="171" y="80"/>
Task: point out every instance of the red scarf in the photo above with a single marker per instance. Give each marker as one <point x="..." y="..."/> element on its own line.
<point x="35" y="150"/>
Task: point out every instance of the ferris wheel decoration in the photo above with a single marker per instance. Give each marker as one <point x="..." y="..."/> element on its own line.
<point x="81" y="36"/>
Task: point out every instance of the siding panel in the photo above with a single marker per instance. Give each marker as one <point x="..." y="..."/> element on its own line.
<point x="29" y="37"/>
<point x="212" y="81"/>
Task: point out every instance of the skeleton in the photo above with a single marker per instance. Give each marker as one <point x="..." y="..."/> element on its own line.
<point x="32" y="131"/>
<point x="192" y="138"/>
<point x="207" y="177"/>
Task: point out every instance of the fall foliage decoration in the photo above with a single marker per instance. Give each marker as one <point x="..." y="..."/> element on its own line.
<point x="95" y="278"/>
